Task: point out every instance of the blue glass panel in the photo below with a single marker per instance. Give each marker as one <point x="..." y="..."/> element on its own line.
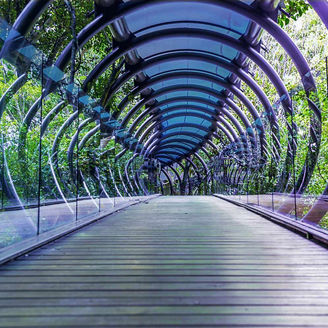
<point x="204" y="26"/>
<point x="73" y="88"/>
<point x="178" y="150"/>
<point x="186" y="111"/>
<point x="194" y="139"/>
<point x="13" y="34"/>
<point x="4" y="29"/>
<point x="182" y="64"/>
<point x="184" y="81"/>
<point x="172" y="144"/>
<point x="186" y="129"/>
<point x="184" y="43"/>
<point x="54" y="73"/>
<point x="104" y="116"/>
<point x="28" y="51"/>
<point x="165" y="160"/>
<point x="98" y="109"/>
<point x="187" y="119"/>
<point x="187" y="93"/>
<point x="184" y="11"/>
<point x="86" y="100"/>
<point x="186" y="103"/>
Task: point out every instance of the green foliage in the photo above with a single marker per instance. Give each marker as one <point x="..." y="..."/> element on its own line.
<point x="295" y="8"/>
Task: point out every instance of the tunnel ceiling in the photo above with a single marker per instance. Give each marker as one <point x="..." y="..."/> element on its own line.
<point x="185" y="58"/>
<point x="188" y="60"/>
<point x="182" y="66"/>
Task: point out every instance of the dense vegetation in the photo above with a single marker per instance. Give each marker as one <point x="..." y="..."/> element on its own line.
<point x="58" y="25"/>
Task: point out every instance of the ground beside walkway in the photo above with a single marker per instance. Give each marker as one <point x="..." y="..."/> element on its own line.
<point x="174" y="262"/>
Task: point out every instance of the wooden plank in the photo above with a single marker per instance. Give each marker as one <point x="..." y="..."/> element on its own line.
<point x="174" y="262"/>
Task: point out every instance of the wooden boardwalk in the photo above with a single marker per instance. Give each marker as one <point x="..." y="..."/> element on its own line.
<point x="174" y="262"/>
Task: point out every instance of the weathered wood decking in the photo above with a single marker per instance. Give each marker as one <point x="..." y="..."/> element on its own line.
<point x="174" y="262"/>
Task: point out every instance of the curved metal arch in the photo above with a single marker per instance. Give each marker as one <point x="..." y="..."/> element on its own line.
<point x="194" y="166"/>
<point x="175" y="115"/>
<point x="234" y="121"/>
<point x="131" y="160"/>
<point x="249" y="130"/>
<point x="207" y="172"/>
<point x="321" y="8"/>
<point x="172" y="152"/>
<point x="90" y="30"/>
<point x="154" y="139"/>
<point x="246" y="49"/>
<point x="187" y="125"/>
<point x="239" y="94"/>
<point x="258" y="64"/>
<point x="72" y="145"/>
<point x="204" y="150"/>
<point x="149" y="111"/>
<point x="247" y="11"/>
<point x="201" y="89"/>
<point x="150" y="149"/>
<point x="159" y="123"/>
<point x="29" y="15"/>
<point x="158" y="105"/>
<point x="177" y="146"/>
<point x="238" y="71"/>
<point x="231" y="131"/>
<point x="185" y="107"/>
<point x="266" y="67"/>
<point x="126" y="172"/>
<point x="229" y="103"/>
<point x="154" y="143"/>
<point x="202" y="76"/>
<point x="53" y="113"/>
<point x="181" y="141"/>
<point x="177" y="176"/>
<point x="159" y="133"/>
<point x="228" y="66"/>
<point x="172" y="159"/>
<point x="316" y="142"/>
<point x="169" y="180"/>
<point x="11" y="90"/>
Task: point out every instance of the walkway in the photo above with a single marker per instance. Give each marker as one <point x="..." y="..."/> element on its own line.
<point x="174" y="262"/>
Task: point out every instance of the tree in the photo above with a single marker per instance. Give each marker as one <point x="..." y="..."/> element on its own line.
<point x="292" y="9"/>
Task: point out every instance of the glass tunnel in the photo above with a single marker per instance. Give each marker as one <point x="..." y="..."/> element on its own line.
<point x="105" y="103"/>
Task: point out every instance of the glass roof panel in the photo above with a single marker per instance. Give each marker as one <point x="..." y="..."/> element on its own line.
<point x="186" y="145"/>
<point x="206" y="26"/>
<point x="188" y="129"/>
<point x="182" y="81"/>
<point x="188" y="103"/>
<point x="201" y="16"/>
<point x="187" y="119"/>
<point x="183" y="11"/>
<point x="190" y="64"/>
<point x="184" y="43"/>
<point x="186" y="137"/>
<point x="187" y="93"/>
<point x="178" y="150"/>
<point x="186" y="111"/>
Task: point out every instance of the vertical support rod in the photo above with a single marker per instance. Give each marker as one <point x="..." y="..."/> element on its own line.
<point x="294" y="155"/>
<point x="40" y="151"/>
<point x="2" y="170"/>
<point x="77" y="106"/>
